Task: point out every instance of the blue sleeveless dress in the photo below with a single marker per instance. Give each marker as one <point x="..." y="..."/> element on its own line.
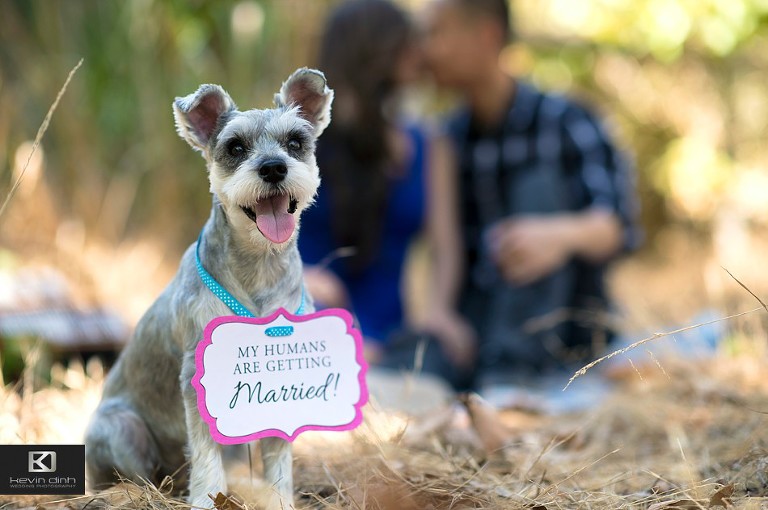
<point x="375" y="292"/>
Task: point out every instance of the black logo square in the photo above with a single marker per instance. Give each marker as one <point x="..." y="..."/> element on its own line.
<point x="42" y="469"/>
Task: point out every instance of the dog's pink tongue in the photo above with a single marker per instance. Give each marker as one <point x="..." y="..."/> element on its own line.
<point x="274" y="220"/>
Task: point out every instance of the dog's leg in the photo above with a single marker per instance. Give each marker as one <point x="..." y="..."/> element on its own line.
<point x="206" y="468"/>
<point x="118" y="441"/>
<point x="277" y="456"/>
<point x="206" y="471"/>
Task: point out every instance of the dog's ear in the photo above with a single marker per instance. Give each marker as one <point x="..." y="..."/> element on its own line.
<point x="198" y="114"/>
<point x="308" y="89"/>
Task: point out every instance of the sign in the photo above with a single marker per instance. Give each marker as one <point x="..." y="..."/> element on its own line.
<point x="280" y="376"/>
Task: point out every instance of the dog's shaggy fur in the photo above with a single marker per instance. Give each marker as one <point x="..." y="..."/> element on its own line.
<point x="148" y="415"/>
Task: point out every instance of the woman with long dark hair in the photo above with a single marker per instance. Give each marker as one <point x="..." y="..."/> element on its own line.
<point x="384" y="181"/>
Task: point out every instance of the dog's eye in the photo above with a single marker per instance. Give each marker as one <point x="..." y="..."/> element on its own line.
<point x="294" y="144"/>
<point x="236" y="149"/>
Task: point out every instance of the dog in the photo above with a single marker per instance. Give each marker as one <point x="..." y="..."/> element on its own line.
<point x="263" y="174"/>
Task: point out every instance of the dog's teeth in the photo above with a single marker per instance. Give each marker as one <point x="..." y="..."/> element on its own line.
<point x="292" y="206"/>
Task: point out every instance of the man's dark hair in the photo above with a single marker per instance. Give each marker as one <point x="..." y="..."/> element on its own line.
<point x="498" y="10"/>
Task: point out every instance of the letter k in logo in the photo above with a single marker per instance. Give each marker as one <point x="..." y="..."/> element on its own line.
<point x="42" y="462"/>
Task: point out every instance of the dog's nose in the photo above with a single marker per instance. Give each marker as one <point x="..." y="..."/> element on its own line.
<point x="273" y="171"/>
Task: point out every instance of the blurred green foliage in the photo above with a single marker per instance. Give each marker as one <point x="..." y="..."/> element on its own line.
<point x="664" y="29"/>
<point x="113" y="158"/>
<point x="682" y="81"/>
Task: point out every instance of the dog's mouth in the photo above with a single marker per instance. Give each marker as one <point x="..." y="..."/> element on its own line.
<point x="273" y="216"/>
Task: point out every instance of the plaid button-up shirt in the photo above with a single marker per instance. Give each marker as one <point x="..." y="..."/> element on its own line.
<point x="548" y="155"/>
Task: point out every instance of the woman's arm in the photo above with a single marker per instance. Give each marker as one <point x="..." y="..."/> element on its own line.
<point x="444" y="237"/>
<point x="443" y="233"/>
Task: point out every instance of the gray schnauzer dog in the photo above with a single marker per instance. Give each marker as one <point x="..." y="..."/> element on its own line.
<point x="263" y="174"/>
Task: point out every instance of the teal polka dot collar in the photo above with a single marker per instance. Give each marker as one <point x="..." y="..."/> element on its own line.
<point x="224" y="295"/>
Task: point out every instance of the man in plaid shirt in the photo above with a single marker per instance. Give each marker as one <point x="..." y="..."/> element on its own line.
<point x="547" y="202"/>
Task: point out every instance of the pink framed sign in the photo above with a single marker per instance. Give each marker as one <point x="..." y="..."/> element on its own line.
<point x="281" y="375"/>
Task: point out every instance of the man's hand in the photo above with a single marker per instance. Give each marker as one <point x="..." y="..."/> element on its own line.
<point x="528" y="248"/>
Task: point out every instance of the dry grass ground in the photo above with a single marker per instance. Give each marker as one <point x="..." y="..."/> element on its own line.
<point x="687" y="436"/>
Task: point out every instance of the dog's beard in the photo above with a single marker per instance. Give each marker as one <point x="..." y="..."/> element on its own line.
<point x="272" y="210"/>
<point x="274" y="216"/>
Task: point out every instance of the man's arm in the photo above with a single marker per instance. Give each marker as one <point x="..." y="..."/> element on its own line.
<point x="528" y="248"/>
